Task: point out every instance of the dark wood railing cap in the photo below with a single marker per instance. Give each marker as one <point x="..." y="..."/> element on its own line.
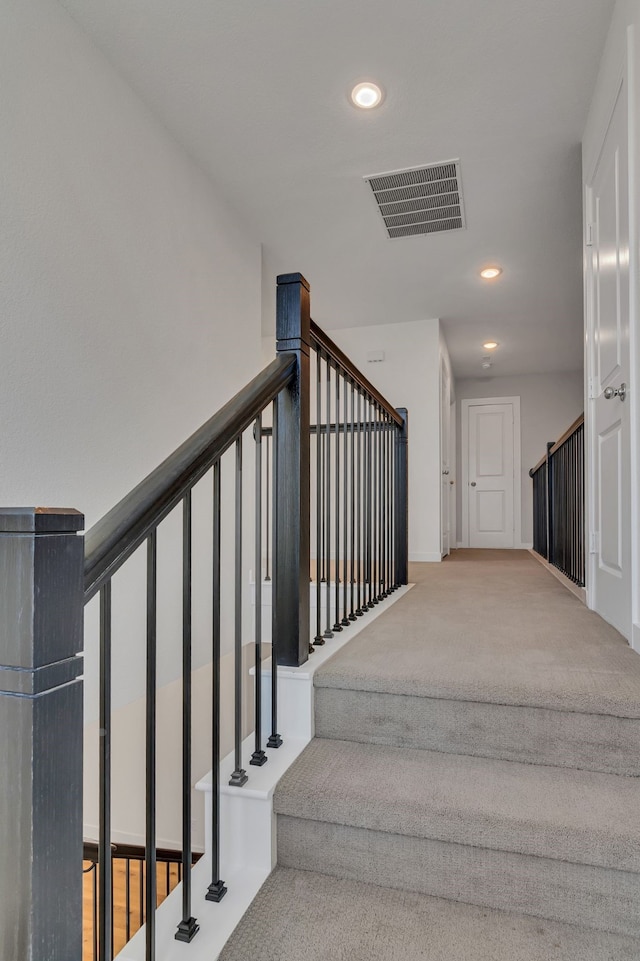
<point x="553" y="447"/>
<point x="292" y="279"/>
<point x="578" y="422"/>
<point x="40" y="520"/>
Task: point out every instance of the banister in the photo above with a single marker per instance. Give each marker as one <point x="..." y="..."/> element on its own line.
<point x="322" y="342"/>
<point x="553" y="448"/>
<point x="116" y="536"/>
<point x="541" y="463"/>
<point x="578" y="422"/>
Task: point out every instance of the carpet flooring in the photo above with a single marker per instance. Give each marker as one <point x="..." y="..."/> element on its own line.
<point x="498" y="629"/>
<point x="305" y="916"/>
<point x="473" y="788"/>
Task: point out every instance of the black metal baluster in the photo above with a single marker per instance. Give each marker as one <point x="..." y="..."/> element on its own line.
<point x="380" y="504"/>
<point x="275" y="741"/>
<point x="392" y="495"/>
<point x="94" y="895"/>
<point x="217" y="889"/>
<point x="323" y="457"/>
<point x="258" y="758"/>
<point x="239" y="776"/>
<point x="390" y="432"/>
<point x="365" y="503"/>
<point x="345" y="500"/>
<point x="360" y="525"/>
<point x="150" y="838"/>
<point x="385" y="506"/>
<point x="328" y="632"/>
<point x="141" y="893"/>
<point x="105" y="867"/>
<point x="369" y="603"/>
<point x="352" y="613"/>
<point x="167" y="879"/>
<point x="267" y="508"/>
<point x="127" y="900"/>
<point x="337" y="626"/>
<point x="376" y="505"/>
<point x="319" y="639"/>
<point x="188" y="927"/>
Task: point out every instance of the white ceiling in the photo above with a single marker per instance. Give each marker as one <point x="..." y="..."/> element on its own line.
<point x="257" y="92"/>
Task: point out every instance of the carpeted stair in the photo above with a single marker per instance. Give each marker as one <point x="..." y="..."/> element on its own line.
<point x="457" y="811"/>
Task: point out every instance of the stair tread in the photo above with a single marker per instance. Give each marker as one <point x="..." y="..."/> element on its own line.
<point x="583" y="817"/>
<point x="305" y="916"/>
<point x="502" y="633"/>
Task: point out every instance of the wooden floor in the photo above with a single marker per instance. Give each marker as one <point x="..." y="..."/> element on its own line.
<point x="167" y="879"/>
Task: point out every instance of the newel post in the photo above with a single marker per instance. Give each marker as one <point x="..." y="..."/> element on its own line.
<point x="402" y="499"/>
<point x="291" y="625"/>
<point x="550" y="503"/>
<point x="41" y="614"/>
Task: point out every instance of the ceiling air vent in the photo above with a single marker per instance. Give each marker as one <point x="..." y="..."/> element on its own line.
<point x="422" y="200"/>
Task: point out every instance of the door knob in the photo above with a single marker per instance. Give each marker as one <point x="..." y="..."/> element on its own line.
<point x="620" y="392"/>
<point x="473" y="483"/>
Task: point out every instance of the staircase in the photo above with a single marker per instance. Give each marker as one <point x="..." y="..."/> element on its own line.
<point x="500" y="822"/>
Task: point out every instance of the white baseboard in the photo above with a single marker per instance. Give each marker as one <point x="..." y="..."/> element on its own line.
<point x="428" y="557"/>
<point x="518" y="547"/>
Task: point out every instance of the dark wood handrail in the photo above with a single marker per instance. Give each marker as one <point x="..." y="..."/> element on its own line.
<point x="541" y="463"/>
<point x="116" y="536"/>
<point x="135" y="852"/>
<point x="578" y="422"/>
<point x="322" y="342"/>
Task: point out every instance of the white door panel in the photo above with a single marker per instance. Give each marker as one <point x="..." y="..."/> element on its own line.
<point x="608" y="348"/>
<point x="611" y="466"/>
<point x="490" y="489"/>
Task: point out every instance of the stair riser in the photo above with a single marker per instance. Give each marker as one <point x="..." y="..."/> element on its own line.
<point x="531" y="735"/>
<point x="597" y="898"/>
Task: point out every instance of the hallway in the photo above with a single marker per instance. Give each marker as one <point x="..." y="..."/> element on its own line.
<point x="472" y="789"/>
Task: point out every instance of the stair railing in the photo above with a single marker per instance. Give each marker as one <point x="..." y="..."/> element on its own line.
<point x="48" y="572"/>
<point x="127" y="892"/>
<point x="558" y="504"/>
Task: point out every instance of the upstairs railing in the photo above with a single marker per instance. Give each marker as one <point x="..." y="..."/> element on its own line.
<point x="325" y="495"/>
<point x="558" y="504"/>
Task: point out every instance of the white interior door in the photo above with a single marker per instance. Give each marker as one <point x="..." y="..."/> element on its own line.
<point x="490" y="481"/>
<point x="610" y="467"/>
<point x="445" y="459"/>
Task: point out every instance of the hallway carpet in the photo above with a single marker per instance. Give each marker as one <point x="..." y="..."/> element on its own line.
<point x="497" y="628"/>
<point x="477" y="744"/>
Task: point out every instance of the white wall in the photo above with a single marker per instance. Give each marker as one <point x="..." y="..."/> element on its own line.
<point x="409" y="377"/>
<point x="129" y="312"/>
<point x="549" y="403"/>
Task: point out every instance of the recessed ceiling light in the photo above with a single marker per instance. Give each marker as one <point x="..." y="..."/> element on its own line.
<point x="490" y="345"/>
<point x="490" y="273"/>
<point x="366" y="95"/>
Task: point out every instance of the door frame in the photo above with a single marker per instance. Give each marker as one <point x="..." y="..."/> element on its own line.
<point x="517" y="464"/>
<point x="445" y="458"/>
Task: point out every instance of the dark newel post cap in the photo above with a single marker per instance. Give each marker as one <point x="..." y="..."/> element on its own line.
<point x="40" y="520"/>
<point x="292" y="279"/>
